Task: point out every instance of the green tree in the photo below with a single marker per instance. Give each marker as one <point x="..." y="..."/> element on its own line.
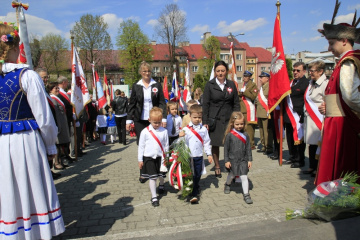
<point x="212" y="49"/>
<point x="199" y="81"/>
<point x="289" y="67"/>
<point x="90" y="34"/>
<point x="171" y="29"/>
<point x="53" y="48"/>
<point x="134" y="48"/>
<point x="35" y="51"/>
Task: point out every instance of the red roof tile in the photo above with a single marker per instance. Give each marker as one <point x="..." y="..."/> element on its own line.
<point x="225" y="43"/>
<point x="195" y="51"/>
<point x="262" y="54"/>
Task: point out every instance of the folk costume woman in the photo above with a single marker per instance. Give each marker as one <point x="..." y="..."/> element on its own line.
<point x="145" y="94"/>
<point x="29" y="206"/>
<point x="220" y="99"/>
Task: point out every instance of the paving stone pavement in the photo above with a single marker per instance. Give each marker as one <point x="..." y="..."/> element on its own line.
<point x="100" y="195"/>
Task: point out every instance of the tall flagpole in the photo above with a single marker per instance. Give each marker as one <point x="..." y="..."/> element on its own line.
<point x="281" y="128"/>
<point x="74" y="122"/>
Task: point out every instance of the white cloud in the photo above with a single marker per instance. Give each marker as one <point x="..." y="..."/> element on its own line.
<point x="315" y="38"/>
<point x="153" y="22"/>
<point x="294" y="33"/>
<point x="36" y="26"/>
<point x="240" y="25"/>
<point x="353" y="7"/>
<point x="200" y="29"/>
<point x="339" y="19"/>
<point x="113" y="22"/>
<point x="135" y="18"/>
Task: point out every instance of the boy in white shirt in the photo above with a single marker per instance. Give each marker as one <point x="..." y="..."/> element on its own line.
<point x="197" y="139"/>
<point x="153" y="144"/>
<point x="174" y="122"/>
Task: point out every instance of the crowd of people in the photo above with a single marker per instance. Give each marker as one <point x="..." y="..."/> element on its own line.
<point x="38" y="128"/>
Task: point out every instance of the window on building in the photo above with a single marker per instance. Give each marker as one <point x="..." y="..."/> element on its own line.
<point x="239" y="68"/>
<point x="195" y="68"/>
<point x="156" y="69"/>
<point x="166" y="69"/>
<point x="239" y="79"/>
<point x="182" y="69"/>
<point x="166" y="55"/>
<point x="238" y="56"/>
<point x="223" y="56"/>
<point x="300" y="60"/>
<point x="269" y="68"/>
<point x="263" y="68"/>
<point x="193" y="56"/>
<point x="251" y="69"/>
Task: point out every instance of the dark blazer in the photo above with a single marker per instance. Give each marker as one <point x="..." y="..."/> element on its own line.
<point x="297" y="98"/>
<point x="137" y="101"/>
<point x="120" y="105"/>
<point x="68" y="108"/>
<point x="214" y="99"/>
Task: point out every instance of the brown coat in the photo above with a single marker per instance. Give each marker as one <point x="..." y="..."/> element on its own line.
<point x="251" y="92"/>
<point x="260" y="110"/>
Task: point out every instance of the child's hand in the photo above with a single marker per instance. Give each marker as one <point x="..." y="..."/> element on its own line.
<point x="210" y="159"/>
<point x="141" y="164"/>
<point x="181" y="134"/>
<point x="249" y="164"/>
<point x="228" y="165"/>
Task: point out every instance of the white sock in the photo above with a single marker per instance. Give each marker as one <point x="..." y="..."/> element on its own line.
<point x="112" y="138"/>
<point x="245" y="184"/>
<point x="103" y="137"/>
<point x="152" y="185"/>
<point x="161" y="181"/>
<point x="229" y="179"/>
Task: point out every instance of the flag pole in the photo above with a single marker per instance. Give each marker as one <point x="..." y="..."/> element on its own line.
<point x="74" y="123"/>
<point x="281" y="128"/>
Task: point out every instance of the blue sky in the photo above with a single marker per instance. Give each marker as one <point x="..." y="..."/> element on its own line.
<point x="299" y="19"/>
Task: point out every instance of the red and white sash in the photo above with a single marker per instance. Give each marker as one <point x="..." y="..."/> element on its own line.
<point x="250" y="110"/>
<point x="157" y="140"/>
<point x="298" y="131"/>
<point x="239" y="135"/>
<point x="64" y="94"/>
<point x="263" y="101"/>
<point x="196" y="134"/>
<point x="312" y="109"/>
<point x="58" y="100"/>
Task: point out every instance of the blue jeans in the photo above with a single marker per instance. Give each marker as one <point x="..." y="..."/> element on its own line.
<point x="198" y="164"/>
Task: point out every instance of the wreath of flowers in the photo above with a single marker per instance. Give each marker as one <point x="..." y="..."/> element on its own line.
<point x="11" y="36"/>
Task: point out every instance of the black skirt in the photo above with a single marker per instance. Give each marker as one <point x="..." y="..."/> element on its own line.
<point x="102" y="130"/>
<point x="151" y="168"/>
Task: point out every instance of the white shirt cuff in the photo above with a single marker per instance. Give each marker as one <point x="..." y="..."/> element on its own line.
<point x="164" y="120"/>
<point x="51" y="150"/>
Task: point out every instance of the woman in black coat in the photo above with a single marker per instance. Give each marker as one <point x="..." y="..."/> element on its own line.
<point x="220" y="99"/>
<point x="145" y="94"/>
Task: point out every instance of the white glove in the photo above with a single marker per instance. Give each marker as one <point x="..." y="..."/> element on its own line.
<point x="77" y="124"/>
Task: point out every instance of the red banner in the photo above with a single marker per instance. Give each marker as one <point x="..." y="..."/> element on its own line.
<point x="279" y="83"/>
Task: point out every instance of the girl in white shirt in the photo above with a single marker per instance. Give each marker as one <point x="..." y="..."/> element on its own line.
<point x="101" y="125"/>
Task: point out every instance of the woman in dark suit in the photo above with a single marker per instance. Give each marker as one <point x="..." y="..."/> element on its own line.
<point x="145" y="94"/>
<point x="220" y="99"/>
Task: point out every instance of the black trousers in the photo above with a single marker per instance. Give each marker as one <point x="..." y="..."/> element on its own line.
<point x="312" y="153"/>
<point x="139" y="126"/>
<point x="297" y="152"/>
<point x="271" y="127"/>
<point x="121" y="128"/>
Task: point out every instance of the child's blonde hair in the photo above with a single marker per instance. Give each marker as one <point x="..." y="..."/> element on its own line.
<point x="195" y="109"/>
<point x="234" y="116"/>
<point x="190" y="103"/>
<point x="155" y="112"/>
<point x="102" y="111"/>
<point x="169" y="104"/>
<point x="110" y="112"/>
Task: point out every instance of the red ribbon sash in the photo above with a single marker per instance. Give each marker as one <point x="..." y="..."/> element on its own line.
<point x="196" y="134"/>
<point x="63" y="93"/>
<point x="241" y="138"/>
<point x="157" y="140"/>
<point x="58" y="101"/>
<point x="263" y="101"/>
<point x="311" y="111"/>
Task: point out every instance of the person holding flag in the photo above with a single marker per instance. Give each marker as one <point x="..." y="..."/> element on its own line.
<point x="247" y="94"/>
<point x="145" y="94"/>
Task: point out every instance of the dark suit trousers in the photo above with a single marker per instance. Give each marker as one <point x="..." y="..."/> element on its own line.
<point x="313" y="163"/>
<point x="139" y="126"/>
<point x="198" y="164"/>
<point x="271" y="126"/>
<point x="121" y="128"/>
<point x="297" y="152"/>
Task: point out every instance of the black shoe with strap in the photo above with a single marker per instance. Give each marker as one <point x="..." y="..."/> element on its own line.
<point x="155" y="202"/>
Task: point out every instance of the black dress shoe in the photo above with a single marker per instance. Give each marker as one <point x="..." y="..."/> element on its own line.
<point x="297" y="165"/>
<point x="268" y="152"/>
<point x="142" y="180"/>
<point x="55" y="175"/>
<point x="288" y="162"/>
<point x="274" y="157"/>
<point x="308" y="171"/>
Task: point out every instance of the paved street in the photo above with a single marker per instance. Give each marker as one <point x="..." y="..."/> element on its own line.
<point x="100" y="195"/>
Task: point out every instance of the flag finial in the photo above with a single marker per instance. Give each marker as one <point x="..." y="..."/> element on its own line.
<point x="278" y="6"/>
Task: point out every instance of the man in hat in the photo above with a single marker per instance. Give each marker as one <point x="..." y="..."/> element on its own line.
<point x="294" y="116"/>
<point x="262" y="113"/>
<point x="340" y="147"/>
<point x="247" y="95"/>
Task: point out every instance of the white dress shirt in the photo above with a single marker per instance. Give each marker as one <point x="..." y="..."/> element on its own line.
<point x="149" y="147"/>
<point x="193" y="142"/>
<point x="101" y="121"/>
<point x="221" y="85"/>
<point x="169" y="125"/>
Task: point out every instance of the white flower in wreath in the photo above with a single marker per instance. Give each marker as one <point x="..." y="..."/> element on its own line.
<point x="190" y="183"/>
<point x="187" y="189"/>
<point x="176" y="186"/>
<point x="155" y="90"/>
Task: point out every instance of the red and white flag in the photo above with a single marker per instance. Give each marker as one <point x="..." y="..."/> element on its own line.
<point x="100" y="93"/>
<point x="79" y="91"/>
<point x="279" y="86"/>
<point x="187" y="92"/>
<point x="165" y="89"/>
<point x="25" y="51"/>
<point x="232" y="66"/>
<point x="106" y="90"/>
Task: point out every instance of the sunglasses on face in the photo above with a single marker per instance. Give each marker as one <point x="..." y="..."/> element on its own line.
<point x="296" y="70"/>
